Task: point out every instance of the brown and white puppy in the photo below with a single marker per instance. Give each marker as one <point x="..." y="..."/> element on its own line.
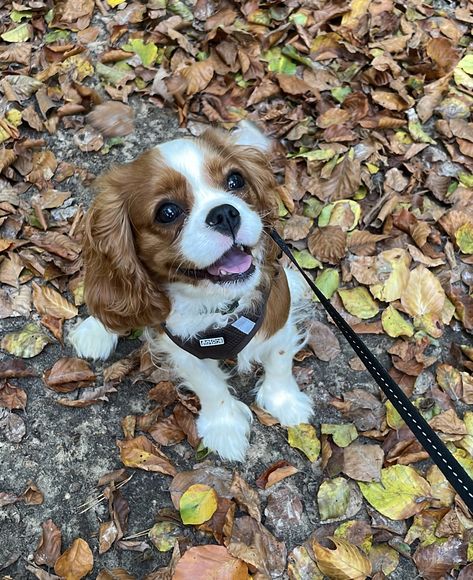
<point x="179" y="236"/>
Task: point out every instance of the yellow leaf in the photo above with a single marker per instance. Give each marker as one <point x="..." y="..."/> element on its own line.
<point x="345" y="213"/>
<point x="141" y="453"/>
<point x="48" y="301"/>
<point x="346" y="562"/>
<point x="163" y="535"/>
<point x="305" y="438"/>
<point x="393" y="419"/>
<point x="394" y="324"/>
<point x="423" y="294"/>
<point x="21" y="33"/>
<point x="114" y="3"/>
<point x="358" y="301"/>
<point x="393" y="268"/>
<point x="401" y="493"/>
<point x="358" y="8"/>
<point x="76" y="562"/>
<point x="464" y="238"/>
<point x="333" y="498"/>
<point x="342" y="434"/>
<point x="198" y="504"/>
<point x="25" y="343"/>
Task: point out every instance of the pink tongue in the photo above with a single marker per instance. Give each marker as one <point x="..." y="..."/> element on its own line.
<point x="233" y="262"/>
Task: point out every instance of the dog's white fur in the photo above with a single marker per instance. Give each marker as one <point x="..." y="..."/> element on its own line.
<point x="224" y="422"/>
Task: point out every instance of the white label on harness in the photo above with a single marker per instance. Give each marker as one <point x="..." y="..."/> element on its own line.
<point x="212" y="341"/>
<point x="244" y="324"/>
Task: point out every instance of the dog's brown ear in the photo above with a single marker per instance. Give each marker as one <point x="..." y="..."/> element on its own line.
<point x="118" y="290"/>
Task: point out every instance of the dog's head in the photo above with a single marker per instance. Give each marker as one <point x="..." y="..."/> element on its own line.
<point x="190" y="211"/>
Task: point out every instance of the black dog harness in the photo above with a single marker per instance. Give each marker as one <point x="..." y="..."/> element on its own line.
<point x="225" y="342"/>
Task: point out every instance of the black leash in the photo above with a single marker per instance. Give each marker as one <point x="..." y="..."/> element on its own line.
<point x="430" y="441"/>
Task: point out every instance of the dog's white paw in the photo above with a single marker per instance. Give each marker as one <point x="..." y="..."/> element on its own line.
<point x="287" y="404"/>
<point x="225" y="430"/>
<point x="91" y="339"/>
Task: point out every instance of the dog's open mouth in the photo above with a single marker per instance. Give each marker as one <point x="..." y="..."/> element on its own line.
<point x="235" y="265"/>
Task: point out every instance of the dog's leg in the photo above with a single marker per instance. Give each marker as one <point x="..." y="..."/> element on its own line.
<point x="91" y="339"/>
<point x="224" y="422"/>
<point x="278" y="392"/>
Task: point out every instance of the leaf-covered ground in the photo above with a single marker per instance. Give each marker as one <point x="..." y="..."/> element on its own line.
<point x="372" y="103"/>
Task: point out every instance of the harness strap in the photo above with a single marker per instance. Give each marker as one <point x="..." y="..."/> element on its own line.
<point x="430" y="441"/>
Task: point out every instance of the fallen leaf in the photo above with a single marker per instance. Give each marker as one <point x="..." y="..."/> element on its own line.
<point x="49" y="546"/>
<point x="323" y="342"/>
<point x="76" y="562"/>
<point x="164" y="535"/>
<point x="48" y="301"/>
<point x="68" y="374"/>
<point x="275" y="473"/>
<point x="345" y="562"/>
<point x="363" y="462"/>
<point x="205" y="562"/>
<point x="12" y="397"/>
<point x="359" y="302"/>
<point x="141" y="453"/>
<point x="25" y="343"/>
<point x="304" y="437"/>
<point x="400" y="494"/>
<point x="332" y="498"/>
<point x="423" y="294"/>
<point x="197" y="504"/>
<point x="342" y="435"/>
<point x="112" y="119"/>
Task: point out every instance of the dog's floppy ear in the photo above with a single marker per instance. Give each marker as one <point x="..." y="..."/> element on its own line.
<point x="118" y="290"/>
<point x="249" y="135"/>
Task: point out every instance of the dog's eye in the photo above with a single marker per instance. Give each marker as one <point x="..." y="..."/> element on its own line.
<point x="168" y="213"/>
<point x="235" y="181"/>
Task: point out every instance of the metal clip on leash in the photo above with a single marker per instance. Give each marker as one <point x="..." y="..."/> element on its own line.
<point x="430" y="441"/>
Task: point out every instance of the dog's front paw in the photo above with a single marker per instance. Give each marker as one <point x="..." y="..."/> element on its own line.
<point x="287" y="404"/>
<point x="226" y="429"/>
<point x="91" y="339"/>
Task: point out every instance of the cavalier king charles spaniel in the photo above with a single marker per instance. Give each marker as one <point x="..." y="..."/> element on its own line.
<point x="177" y="243"/>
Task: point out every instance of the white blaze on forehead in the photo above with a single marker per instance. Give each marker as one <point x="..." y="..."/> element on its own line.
<point x="187" y="158"/>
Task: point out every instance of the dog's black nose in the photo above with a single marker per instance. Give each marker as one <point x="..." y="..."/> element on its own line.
<point x="224" y="219"/>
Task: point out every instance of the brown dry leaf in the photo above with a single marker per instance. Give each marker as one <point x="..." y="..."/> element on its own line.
<point x="48" y="301"/>
<point x="117" y="371"/>
<point x="363" y="408"/>
<point x="54" y="325"/>
<point x="112" y="119"/>
<point x="69" y="374"/>
<point x="15" y="368"/>
<point x="323" y="342"/>
<point x="264" y="417"/>
<point x="108" y="533"/>
<point x="423" y="294"/>
<point x="197" y="76"/>
<point x="32" y="495"/>
<point x="12" y="425"/>
<point x="254" y="544"/>
<point x="363" y="462"/>
<point x="449" y="422"/>
<point x="205" y="562"/>
<point x="441" y="51"/>
<point x="297" y="227"/>
<point x="12" y="397"/>
<point x="345" y="562"/>
<point x="141" y="453"/>
<point x="76" y="562"/>
<point x="58" y="244"/>
<point x="328" y="244"/>
<point x="15" y="302"/>
<point x="166" y="431"/>
<point x="436" y="560"/>
<point x="49" y="546"/>
<point x="245" y="496"/>
<point x="89" y="396"/>
<point x="343" y="181"/>
<point x="10" y="270"/>
<point x="275" y="473"/>
<point x="163" y="393"/>
<point x="364" y="269"/>
<point x="186" y="421"/>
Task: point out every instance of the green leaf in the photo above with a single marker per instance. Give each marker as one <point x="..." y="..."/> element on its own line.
<point x="327" y="282"/>
<point x="400" y="494"/>
<point x="306" y="260"/>
<point x="316" y="155"/>
<point x="298" y="18"/>
<point x="333" y="498"/>
<point x="17" y="16"/>
<point x="163" y="535"/>
<point x="304" y="437"/>
<point x="342" y="435"/>
<point x="146" y="51"/>
<point x="359" y="302"/>
<point x="198" y="504"/>
<point x="279" y="63"/>
<point x="55" y="35"/>
<point x="340" y="93"/>
<point x="416" y="131"/>
<point x="312" y="207"/>
<point x="179" y="8"/>
<point x="21" y="33"/>
<point x="394" y="324"/>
